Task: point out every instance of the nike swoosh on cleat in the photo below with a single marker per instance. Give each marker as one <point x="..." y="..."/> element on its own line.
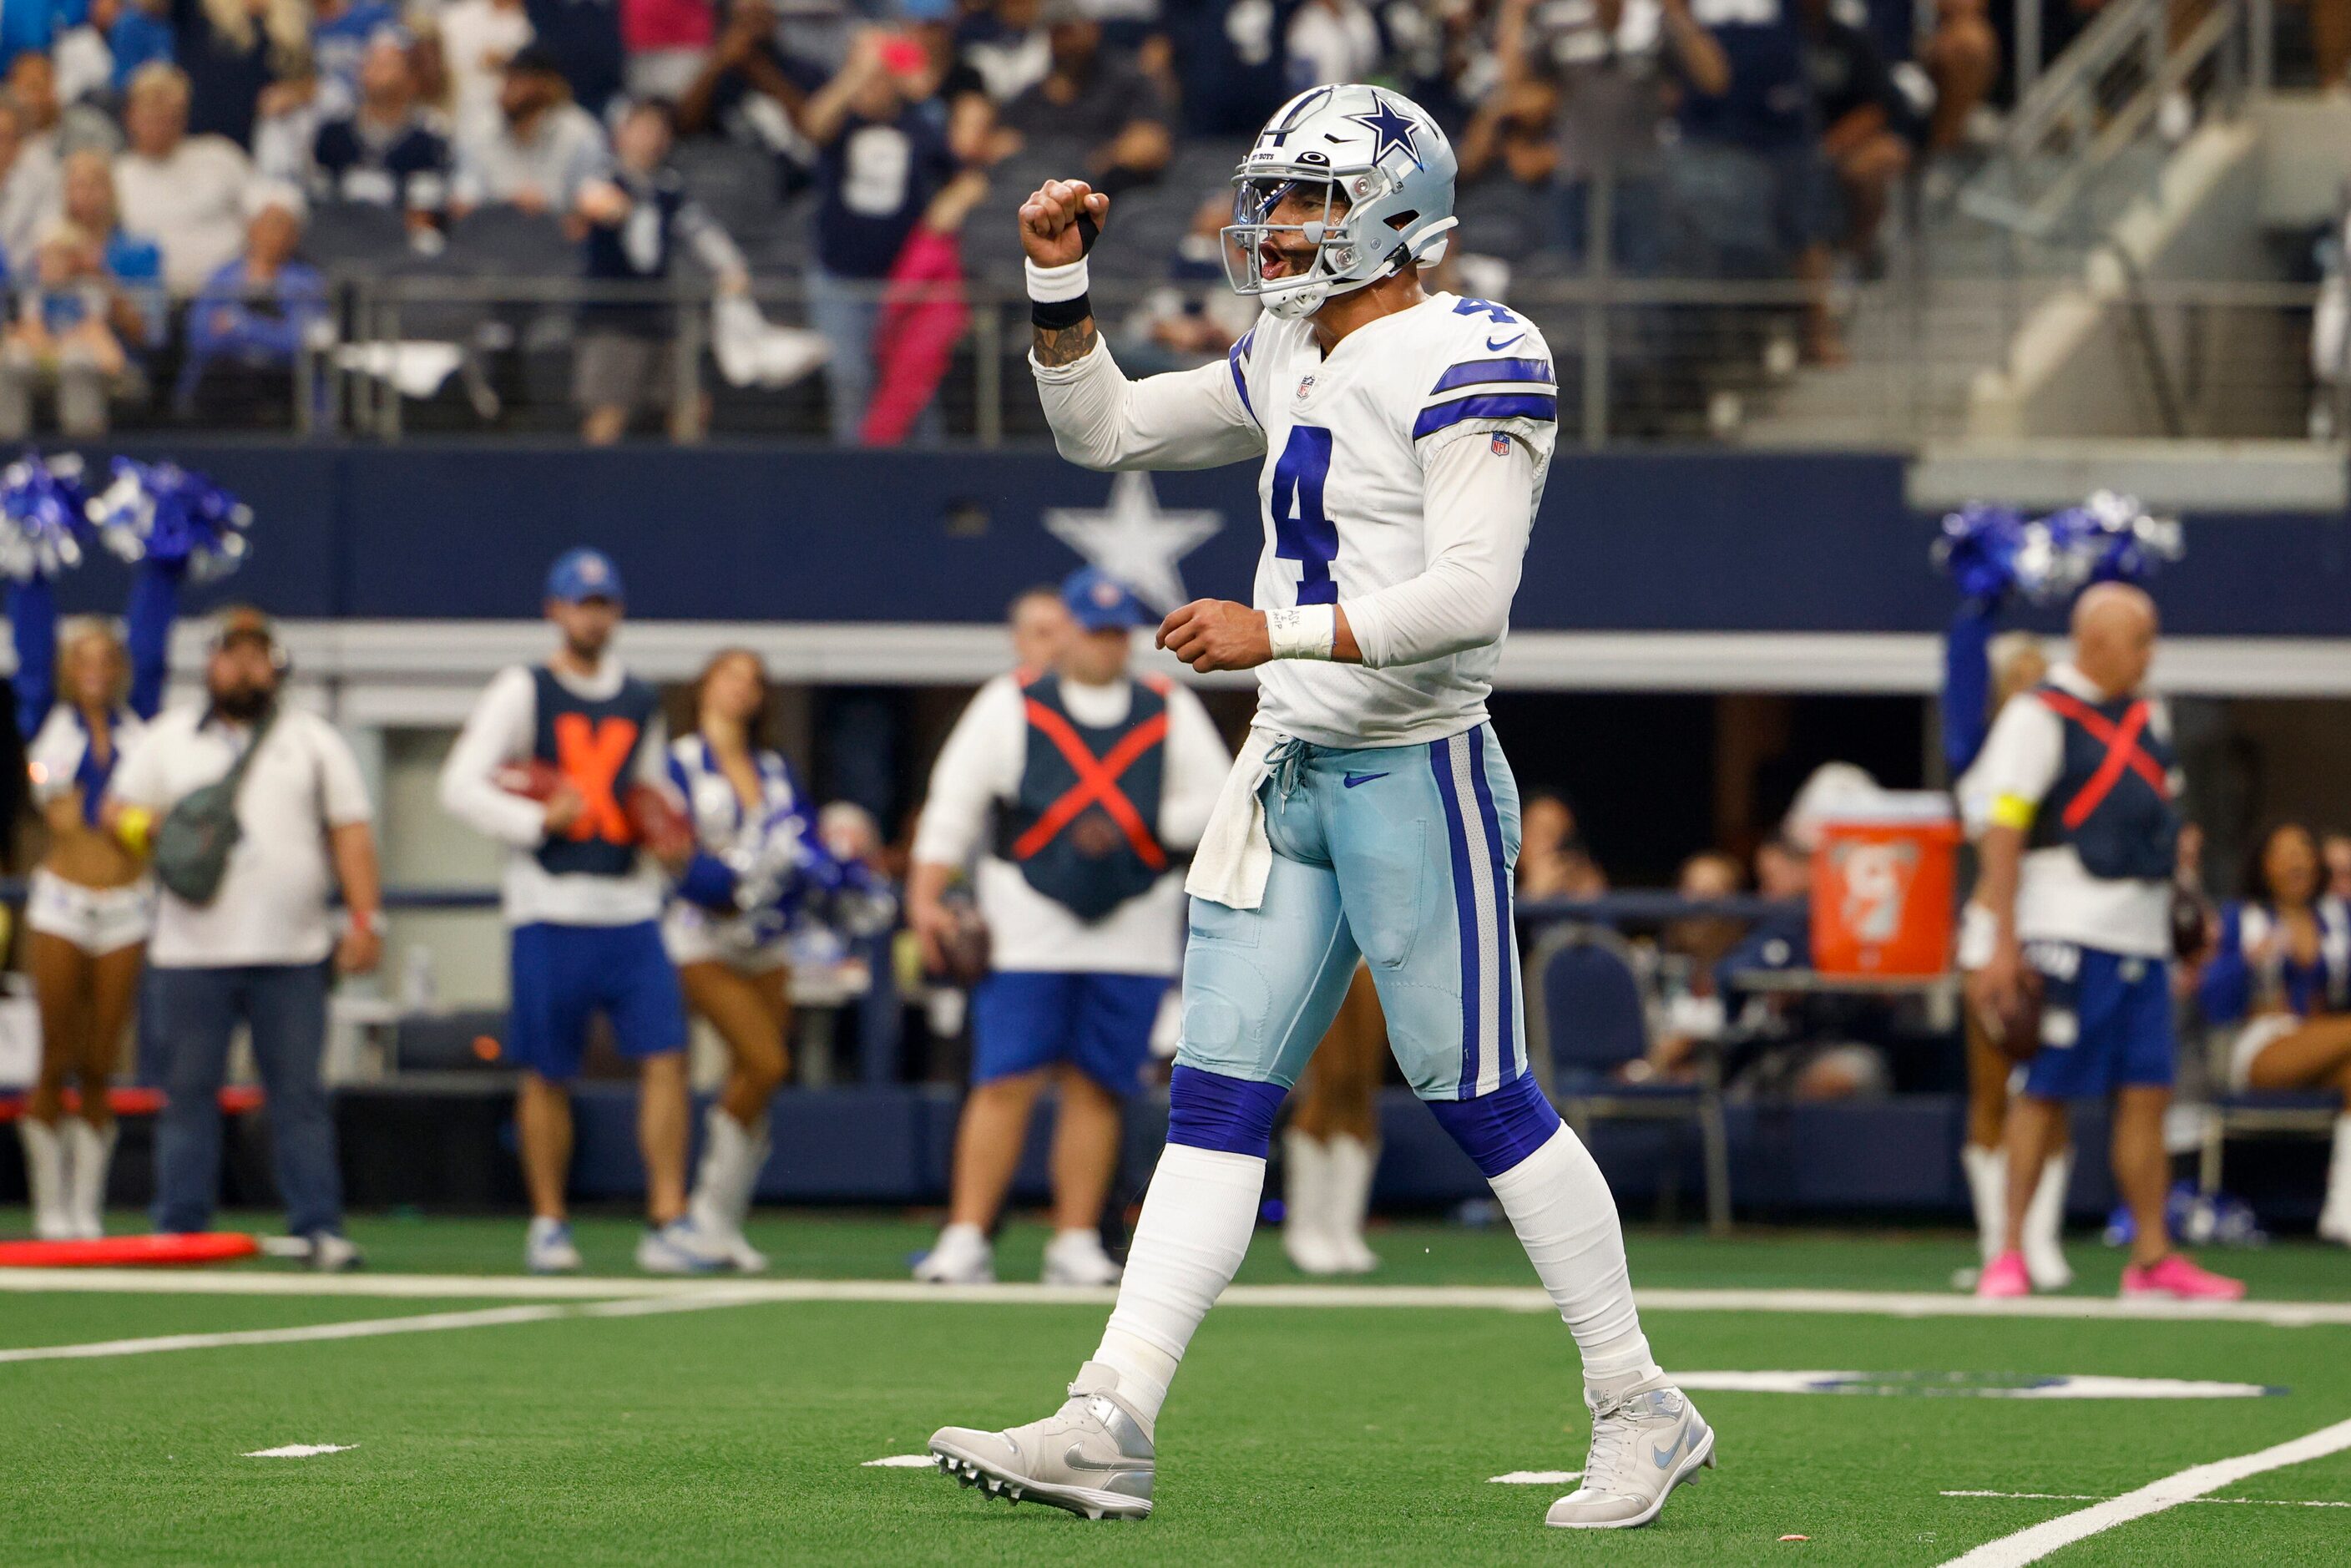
<point x="1351" y="780"/>
<point x="1077" y="1460"/>
<point x="1664" y="1455"/>
<point x="1492" y="346"/>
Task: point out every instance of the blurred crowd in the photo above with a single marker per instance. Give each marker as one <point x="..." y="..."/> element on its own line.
<point x="179" y="179"/>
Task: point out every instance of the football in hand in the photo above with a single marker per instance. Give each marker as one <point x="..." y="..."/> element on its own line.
<point x="660" y="827"/>
<point x="531" y="778"/>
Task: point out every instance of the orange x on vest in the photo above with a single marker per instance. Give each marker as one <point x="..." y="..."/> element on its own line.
<point x="592" y="755"/>
<point x="2123" y="750"/>
<point x="1097" y="784"/>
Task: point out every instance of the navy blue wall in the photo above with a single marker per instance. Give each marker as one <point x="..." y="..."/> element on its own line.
<point x="1638" y="541"/>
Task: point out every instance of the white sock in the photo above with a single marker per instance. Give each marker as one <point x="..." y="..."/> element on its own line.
<point x="2338" y="1175"/>
<point x="1353" y="1163"/>
<point x="1987" y="1171"/>
<point x="93" y="1152"/>
<point x="1193" y="1233"/>
<point x="47" y="1178"/>
<point x="731" y="1155"/>
<point x="1559" y="1204"/>
<point x="2045" y="1217"/>
<point x="1305" y="1184"/>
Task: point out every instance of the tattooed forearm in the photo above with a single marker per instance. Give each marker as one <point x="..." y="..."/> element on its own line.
<point x="1064" y="345"/>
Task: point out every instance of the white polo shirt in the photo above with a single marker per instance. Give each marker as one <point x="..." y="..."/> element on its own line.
<point x="979" y="769"/>
<point x="2057" y="899"/>
<point x="272" y="907"/>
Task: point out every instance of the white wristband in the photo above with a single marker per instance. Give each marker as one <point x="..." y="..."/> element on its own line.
<point x="1309" y="632"/>
<point x="1052" y="285"/>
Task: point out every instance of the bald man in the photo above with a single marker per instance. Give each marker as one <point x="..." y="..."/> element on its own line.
<point x="2081" y="789"/>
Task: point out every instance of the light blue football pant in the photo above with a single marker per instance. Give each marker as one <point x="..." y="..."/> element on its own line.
<point x="1402" y="855"/>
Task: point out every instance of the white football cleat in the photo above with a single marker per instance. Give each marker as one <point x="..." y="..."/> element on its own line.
<point x="1644" y="1444"/>
<point x="677" y="1248"/>
<point x="961" y="1256"/>
<point x="1092" y="1456"/>
<point x="548" y="1248"/>
<point x="1076" y="1257"/>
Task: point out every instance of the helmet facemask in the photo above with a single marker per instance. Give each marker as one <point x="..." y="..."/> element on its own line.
<point x="1322" y="206"/>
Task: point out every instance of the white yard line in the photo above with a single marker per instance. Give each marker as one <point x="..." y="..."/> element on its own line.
<point x="1494" y="1298"/>
<point x="2094" y="1497"/>
<point x="372" y="1328"/>
<point x="2188" y="1485"/>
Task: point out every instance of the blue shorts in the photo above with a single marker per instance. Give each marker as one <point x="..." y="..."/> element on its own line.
<point x="563" y="974"/>
<point x="1403" y="856"/>
<point x="1099" y="1024"/>
<point x="2106" y="1023"/>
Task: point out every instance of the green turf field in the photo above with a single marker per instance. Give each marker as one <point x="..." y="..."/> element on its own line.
<point x="628" y="1423"/>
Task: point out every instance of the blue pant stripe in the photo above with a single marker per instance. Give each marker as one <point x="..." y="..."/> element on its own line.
<point x="1506" y="1044"/>
<point x="1465" y="908"/>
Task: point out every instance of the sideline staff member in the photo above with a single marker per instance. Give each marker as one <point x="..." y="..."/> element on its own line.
<point x="256" y="953"/>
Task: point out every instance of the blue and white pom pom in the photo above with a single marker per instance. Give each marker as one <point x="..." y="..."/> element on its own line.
<point x="1990" y="549"/>
<point x="42" y="528"/>
<point x="173" y="516"/>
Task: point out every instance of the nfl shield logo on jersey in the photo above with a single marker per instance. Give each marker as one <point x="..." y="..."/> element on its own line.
<point x="1500" y="444"/>
<point x="1305" y="385"/>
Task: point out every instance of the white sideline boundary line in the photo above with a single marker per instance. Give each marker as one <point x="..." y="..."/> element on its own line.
<point x="369" y="1328"/>
<point x="2100" y="1496"/>
<point x="1493" y="1298"/>
<point x="2188" y="1485"/>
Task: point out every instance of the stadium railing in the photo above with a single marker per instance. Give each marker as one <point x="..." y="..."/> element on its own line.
<point x="1639" y="359"/>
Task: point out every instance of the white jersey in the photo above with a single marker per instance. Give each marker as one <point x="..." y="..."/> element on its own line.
<point x="1400" y="476"/>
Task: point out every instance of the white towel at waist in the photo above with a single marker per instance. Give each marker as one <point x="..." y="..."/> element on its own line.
<point x="1230" y="865"/>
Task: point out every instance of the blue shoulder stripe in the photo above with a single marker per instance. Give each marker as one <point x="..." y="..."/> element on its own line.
<point x="1473" y="372"/>
<point x="1492" y="405"/>
<point x="1234" y="357"/>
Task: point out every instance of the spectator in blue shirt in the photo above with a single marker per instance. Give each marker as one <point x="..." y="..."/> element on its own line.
<point x="384" y="153"/>
<point x="884" y="154"/>
<point x="133" y="262"/>
<point x="63" y="338"/>
<point x="35" y="24"/>
<point x="340" y="33"/>
<point x="255" y="315"/>
<point x="1752" y="175"/>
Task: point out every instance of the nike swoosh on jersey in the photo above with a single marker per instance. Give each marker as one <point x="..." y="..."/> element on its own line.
<point x="1491" y="345"/>
<point x="1351" y="780"/>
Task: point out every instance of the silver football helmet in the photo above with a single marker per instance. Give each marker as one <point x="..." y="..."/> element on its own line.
<point x="1378" y="169"/>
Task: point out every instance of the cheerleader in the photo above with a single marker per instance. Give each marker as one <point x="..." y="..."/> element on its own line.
<point x="758" y="860"/>
<point x="2282" y="974"/>
<point x="81" y="701"/>
<point x="2013" y="664"/>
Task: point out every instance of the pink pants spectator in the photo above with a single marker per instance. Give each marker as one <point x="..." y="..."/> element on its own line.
<point x="923" y="315"/>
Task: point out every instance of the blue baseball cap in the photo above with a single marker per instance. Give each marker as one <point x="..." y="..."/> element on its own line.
<point x="926" y="10"/>
<point x="1101" y="602"/>
<point x="583" y="574"/>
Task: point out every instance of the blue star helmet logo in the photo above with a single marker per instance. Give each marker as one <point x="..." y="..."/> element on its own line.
<point x="1392" y="127"/>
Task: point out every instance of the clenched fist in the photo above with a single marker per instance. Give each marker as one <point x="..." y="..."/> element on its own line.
<point x="1216" y="634"/>
<point x="1048" y="221"/>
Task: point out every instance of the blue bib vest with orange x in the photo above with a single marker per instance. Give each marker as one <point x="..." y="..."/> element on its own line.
<point x="595" y="742"/>
<point x="1084" y="827"/>
<point x="2112" y="799"/>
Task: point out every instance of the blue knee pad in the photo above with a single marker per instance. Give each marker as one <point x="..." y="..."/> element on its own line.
<point x="1233" y="1115"/>
<point x="1499" y="1130"/>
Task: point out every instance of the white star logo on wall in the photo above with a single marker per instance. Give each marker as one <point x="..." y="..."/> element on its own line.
<point x="1136" y="541"/>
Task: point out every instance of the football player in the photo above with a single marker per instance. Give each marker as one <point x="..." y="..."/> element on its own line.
<point x="1402" y="437"/>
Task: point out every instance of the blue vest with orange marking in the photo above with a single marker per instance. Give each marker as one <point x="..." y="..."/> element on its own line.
<point x="2112" y="799"/>
<point x="595" y="742"/>
<point x="1084" y="827"/>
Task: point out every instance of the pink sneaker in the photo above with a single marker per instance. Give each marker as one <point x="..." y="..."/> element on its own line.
<point x="2173" y="1278"/>
<point x="2005" y="1276"/>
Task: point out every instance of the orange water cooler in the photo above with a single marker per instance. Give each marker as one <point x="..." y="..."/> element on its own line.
<point x="1884" y="877"/>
